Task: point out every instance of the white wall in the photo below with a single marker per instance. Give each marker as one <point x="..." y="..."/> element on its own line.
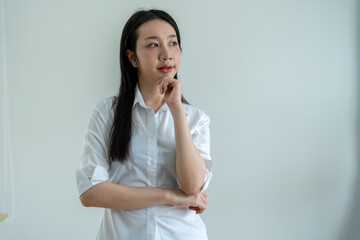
<point x="278" y="78"/>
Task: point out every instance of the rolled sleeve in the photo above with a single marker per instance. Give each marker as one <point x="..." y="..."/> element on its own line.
<point x="94" y="166"/>
<point x="201" y="138"/>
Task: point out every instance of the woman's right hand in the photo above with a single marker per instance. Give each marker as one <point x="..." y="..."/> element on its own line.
<point x="195" y="202"/>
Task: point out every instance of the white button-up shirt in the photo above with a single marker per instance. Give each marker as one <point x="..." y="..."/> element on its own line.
<point x="152" y="164"/>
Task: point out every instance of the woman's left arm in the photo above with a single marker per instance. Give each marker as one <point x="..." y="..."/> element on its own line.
<point x="190" y="167"/>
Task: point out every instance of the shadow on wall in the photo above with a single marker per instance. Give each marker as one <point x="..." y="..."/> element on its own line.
<point x="351" y="225"/>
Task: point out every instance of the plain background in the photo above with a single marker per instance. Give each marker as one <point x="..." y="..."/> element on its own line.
<point x="278" y="78"/>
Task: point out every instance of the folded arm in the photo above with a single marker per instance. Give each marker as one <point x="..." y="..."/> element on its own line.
<point x="115" y="196"/>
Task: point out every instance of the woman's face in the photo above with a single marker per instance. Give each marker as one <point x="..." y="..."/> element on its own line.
<point x="157" y="51"/>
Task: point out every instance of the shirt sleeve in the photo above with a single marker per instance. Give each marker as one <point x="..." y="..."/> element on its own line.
<point x="201" y="137"/>
<point x="94" y="166"/>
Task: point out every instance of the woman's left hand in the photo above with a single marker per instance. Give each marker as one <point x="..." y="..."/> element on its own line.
<point x="172" y="89"/>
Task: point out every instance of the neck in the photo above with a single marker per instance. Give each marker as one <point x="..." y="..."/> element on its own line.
<point x="151" y="95"/>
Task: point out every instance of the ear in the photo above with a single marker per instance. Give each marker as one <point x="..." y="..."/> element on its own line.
<point x="132" y="58"/>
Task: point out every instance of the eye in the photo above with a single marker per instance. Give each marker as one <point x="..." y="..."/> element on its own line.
<point x="173" y="43"/>
<point x="153" y="45"/>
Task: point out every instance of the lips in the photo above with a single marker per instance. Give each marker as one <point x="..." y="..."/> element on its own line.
<point x="166" y="68"/>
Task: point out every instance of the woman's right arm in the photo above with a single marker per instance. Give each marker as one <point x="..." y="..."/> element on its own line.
<point x="115" y="196"/>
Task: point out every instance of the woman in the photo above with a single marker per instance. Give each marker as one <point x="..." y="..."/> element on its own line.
<point x="146" y="155"/>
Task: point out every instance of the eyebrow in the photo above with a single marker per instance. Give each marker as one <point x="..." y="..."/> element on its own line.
<point x="156" y="37"/>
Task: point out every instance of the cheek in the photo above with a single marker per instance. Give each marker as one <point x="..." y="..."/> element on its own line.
<point x="145" y="58"/>
<point x="147" y="53"/>
<point x="148" y="56"/>
<point x="177" y="54"/>
<point x="151" y="55"/>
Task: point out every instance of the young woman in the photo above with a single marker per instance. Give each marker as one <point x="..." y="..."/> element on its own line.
<point x="146" y="154"/>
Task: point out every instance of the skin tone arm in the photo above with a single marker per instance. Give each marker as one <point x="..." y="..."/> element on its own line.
<point x="190" y="167"/>
<point x="115" y="196"/>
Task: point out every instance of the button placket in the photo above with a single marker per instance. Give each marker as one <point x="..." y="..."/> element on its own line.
<point x="151" y="223"/>
<point x="152" y="149"/>
<point x="154" y="152"/>
<point x="151" y="171"/>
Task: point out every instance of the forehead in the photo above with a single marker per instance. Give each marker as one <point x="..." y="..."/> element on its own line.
<point x="156" y="27"/>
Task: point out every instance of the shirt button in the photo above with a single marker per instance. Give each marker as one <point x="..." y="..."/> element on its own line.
<point x="152" y="217"/>
<point x="154" y="137"/>
<point x="152" y="162"/>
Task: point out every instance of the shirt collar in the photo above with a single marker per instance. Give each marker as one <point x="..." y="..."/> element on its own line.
<point x="139" y="99"/>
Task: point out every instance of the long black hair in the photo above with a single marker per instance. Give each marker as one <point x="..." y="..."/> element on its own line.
<point x="121" y="129"/>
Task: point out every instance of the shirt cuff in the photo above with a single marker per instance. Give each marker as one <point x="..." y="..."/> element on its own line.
<point x="84" y="183"/>
<point x="208" y="176"/>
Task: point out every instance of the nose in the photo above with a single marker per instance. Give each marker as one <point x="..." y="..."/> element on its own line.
<point x="165" y="54"/>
